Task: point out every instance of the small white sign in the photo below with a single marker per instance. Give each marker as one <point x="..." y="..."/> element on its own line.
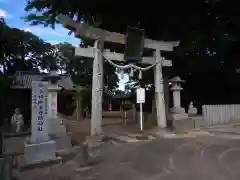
<point x="140" y="95"/>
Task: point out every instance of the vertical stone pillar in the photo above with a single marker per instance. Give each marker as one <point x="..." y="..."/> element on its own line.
<point x="110" y="105"/>
<point x="79" y="108"/>
<point x="134" y="112"/>
<point x="159" y="92"/>
<point x="166" y="94"/>
<point x="40" y="120"/>
<point x="97" y="88"/>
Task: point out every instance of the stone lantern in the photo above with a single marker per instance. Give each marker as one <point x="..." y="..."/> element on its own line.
<point x="57" y="129"/>
<point x="53" y="89"/>
<point x="177" y="111"/>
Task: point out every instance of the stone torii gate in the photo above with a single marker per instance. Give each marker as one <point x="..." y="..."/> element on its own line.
<point x="97" y="52"/>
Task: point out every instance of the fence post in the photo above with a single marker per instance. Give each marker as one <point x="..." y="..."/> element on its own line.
<point x="6" y="168"/>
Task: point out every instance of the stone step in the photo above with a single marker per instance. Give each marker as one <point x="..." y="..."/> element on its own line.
<point x="224" y="132"/>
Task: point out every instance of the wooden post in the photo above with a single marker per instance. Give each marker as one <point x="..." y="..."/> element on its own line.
<point x="166" y="94"/>
<point x="6" y="168"/>
<point x="79" y="109"/>
<point x="97" y="88"/>
<point x="159" y="92"/>
<point x="1" y="137"/>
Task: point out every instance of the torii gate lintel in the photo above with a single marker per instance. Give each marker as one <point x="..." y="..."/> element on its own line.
<point x="83" y="30"/>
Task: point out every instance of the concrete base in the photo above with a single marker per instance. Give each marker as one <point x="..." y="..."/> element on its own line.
<point x="61" y="142"/>
<point x="57" y="128"/>
<point x="177" y="110"/>
<point x="178" y="117"/>
<point x="35" y="153"/>
<point x="197" y="122"/>
<point x="58" y="133"/>
<point x="184" y="125"/>
<point x="192" y="111"/>
<point x="40" y="164"/>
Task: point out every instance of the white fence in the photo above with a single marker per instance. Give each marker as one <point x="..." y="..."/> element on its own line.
<point x="220" y="114"/>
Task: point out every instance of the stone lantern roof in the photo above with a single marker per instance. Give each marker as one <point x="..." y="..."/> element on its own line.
<point x="177" y="79"/>
<point x="176" y="83"/>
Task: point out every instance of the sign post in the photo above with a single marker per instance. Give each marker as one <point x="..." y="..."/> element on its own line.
<point x="141" y="100"/>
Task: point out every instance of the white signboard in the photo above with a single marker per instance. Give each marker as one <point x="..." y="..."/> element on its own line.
<point x="140" y="95"/>
<point x="39" y="120"/>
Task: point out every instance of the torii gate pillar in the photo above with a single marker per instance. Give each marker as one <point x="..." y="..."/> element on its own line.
<point x="97" y="89"/>
<point x="159" y="92"/>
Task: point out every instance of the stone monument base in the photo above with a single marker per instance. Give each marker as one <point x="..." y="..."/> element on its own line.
<point x="59" y="134"/>
<point x="181" y="121"/>
<point x="184" y="125"/>
<point x="39" y="152"/>
<point x="57" y="127"/>
<point x="61" y="142"/>
<point x="178" y="113"/>
<point x="179" y="117"/>
<point x="177" y="110"/>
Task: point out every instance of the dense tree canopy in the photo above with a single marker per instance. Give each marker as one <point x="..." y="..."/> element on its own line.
<point x="23" y="51"/>
<point x="208" y="30"/>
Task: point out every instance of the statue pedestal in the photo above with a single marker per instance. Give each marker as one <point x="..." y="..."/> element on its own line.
<point x="192" y="112"/>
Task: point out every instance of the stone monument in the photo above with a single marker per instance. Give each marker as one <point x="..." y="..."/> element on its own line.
<point x="177" y="112"/>
<point x="192" y="111"/>
<point x="39" y="147"/>
<point x="56" y="127"/>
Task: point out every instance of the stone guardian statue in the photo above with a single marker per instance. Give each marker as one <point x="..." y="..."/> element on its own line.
<point x="17" y="121"/>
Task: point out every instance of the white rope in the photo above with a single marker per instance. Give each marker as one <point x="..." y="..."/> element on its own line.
<point x="146" y="68"/>
<point x="118" y="66"/>
<point x="129" y="65"/>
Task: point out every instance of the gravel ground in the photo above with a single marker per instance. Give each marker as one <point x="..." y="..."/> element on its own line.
<point x="200" y="158"/>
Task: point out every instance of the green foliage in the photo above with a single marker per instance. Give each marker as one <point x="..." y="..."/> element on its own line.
<point x="20" y="50"/>
<point x="208" y="31"/>
<point x="23" y="51"/>
<point x="80" y="68"/>
<point x="51" y="9"/>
